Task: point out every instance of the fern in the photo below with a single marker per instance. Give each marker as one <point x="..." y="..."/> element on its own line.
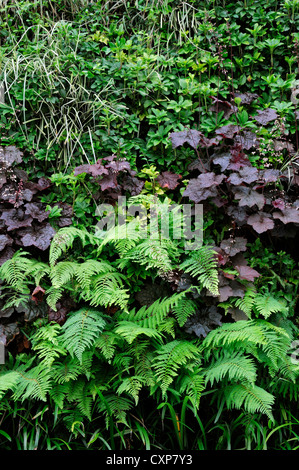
<point x="152" y="316"/>
<point x="192" y="383"/>
<point x="253" y="398"/>
<point x="235" y="366"/>
<point x="184" y="309"/>
<point x="15" y="270"/>
<point x="169" y="358"/>
<point x="33" y="384"/>
<point x="107" y="343"/>
<point x="46" y="343"/>
<point x="202" y="265"/>
<point x="131" y="385"/>
<point x="130" y="331"/>
<point x="64" y="239"/>
<point x="261" y="304"/>
<point x="81" y="330"/>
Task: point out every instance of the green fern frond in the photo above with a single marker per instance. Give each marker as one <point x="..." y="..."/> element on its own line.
<point x="202" y="265"/>
<point x="169" y="358"/>
<point x="62" y="273"/>
<point x="130" y="331"/>
<point x="115" y="406"/>
<point x="66" y="371"/>
<point x="8" y="381"/>
<point x="246" y="303"/>
<point x="107" y="343"/>
<point x="85" y="271"/>
<point x="63" y="240"/>
<point x="131" y="385"/>
<point x="107" y="289"/>
<point x="53" y="294"/>
<point x="81" y="330"/>
<point x="152" y="316"/>
<point x="14" y="271"/>
<point x="151" y="253"/>
<point x="252" y="398"/>
<point x="46" y="344"/>
<point x="184" y="309"/>
<point x="267" y="304"/>
<point x="192" y="384"/>
<point x="34" y="383"/>
<point x="79" y="392"/>
<point x="234" y="366"/>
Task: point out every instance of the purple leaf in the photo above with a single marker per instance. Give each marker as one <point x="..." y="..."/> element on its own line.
<point x="96" y="169"/>
<point x="5" y="240"/>
<point x="35" y="209"/>
<point x="10" y="156"/>
<point x="108" y="182"/>
<point x="203" y="186"/>
<point x="247" y="273"/>
<point x="247" y="140"/>
<point x="232" y="246"/>
<point x="244" y="175"/>
<point x="223" y="160"/>
<point x="133" y="185"/>
<point x="280" y="145"/>
<point x="228" y="131"/>
<point x="261" y="222"/>
<point x="287" y="215"/>
<point x="6" y="255"/>
<point x="168" y="180"/>
<point x="269" y="175"/>
<point x="191" y="137"/>
<point x="249" y="197"/>
<point x="40" y="236"/>
<point x="220" y="105"/>
<point x="119" y="165"/>
<point x="197" y="194"/>
<point x="265" y="116"/>
<point x="246" y="98"/>
<point x="238" y="158"/>
<point x="15" y="218"/>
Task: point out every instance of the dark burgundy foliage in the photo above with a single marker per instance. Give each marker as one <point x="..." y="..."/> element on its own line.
<point x="203" y="321"/>
<point x="251" y="202"/>
<point x="265" y="116"/>
<point x="113" y="175"/>
<point x="169" y="180"/>
<point x="23" y="223"/>
<point x="38" y="294"/>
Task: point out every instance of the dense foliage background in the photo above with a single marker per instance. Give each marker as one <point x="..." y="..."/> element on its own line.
<point x="138" y="343"/>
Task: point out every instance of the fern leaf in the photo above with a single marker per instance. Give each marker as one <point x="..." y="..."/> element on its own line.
<point x="152" y="316"/>
<point x="184" y="309"/>
<point x="254" y="399"/>
<point x="202" y="265"/>
<point x="130" y="331"/>
<point x="63" y="240"/>
<point x="235" y="366"/>
<point x="81" y="330"/>
<point x="169" y="358"/>
<point x="131" y="385"/>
